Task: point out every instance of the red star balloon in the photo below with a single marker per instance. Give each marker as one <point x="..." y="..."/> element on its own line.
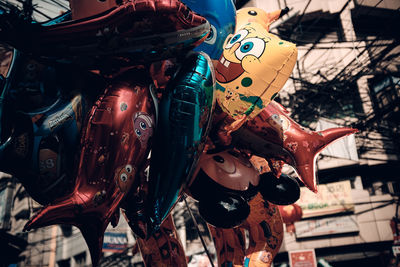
<point x="273" y="134"/>
<point x="114" y="146"/>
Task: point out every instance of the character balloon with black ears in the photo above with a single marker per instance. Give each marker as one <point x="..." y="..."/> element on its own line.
<point x="91" y="92"/>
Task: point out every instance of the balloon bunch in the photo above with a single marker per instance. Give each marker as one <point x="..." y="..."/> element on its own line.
<point x="92" y="92"/>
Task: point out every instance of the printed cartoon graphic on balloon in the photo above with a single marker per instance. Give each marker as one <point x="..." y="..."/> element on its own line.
<point x="124" y="177"/>
<point x="254" y="66"/>
<point x="143" y="125"/>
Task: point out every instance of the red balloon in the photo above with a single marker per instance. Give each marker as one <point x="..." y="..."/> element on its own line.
<point x="114" y="145"/>
<point x="291" y="213"/>
<point x="273" y="134"/>
<point x="84" y="9"/>
<point x="139" y="30"/>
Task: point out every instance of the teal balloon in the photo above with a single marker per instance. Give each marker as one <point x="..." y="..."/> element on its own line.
<point x="183" y="125"/>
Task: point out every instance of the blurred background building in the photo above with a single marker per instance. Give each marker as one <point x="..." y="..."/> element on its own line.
<point x="347" y="74"/>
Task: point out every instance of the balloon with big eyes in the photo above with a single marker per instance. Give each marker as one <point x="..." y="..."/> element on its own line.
<point x="253" y="68"/>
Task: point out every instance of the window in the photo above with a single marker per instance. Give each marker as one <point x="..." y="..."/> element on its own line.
<point x="64" y="263"/>
<point x="80" y="260"/>
<point x="66" y="230"/>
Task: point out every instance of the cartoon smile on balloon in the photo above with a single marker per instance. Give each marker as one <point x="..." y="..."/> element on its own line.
<point x="254" y="66"/>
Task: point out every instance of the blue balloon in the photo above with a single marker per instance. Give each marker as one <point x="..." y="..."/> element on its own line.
<point x="184" y="121"/>
<point x="39" y="129"/>
<point x="221" y="14"/>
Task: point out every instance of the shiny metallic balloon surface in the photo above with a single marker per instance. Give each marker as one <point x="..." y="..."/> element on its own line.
<point x="185" y="112"/>
<point x="114" y="145"/>
<point x="221" y="15"/>
<point x="273" y="134"/>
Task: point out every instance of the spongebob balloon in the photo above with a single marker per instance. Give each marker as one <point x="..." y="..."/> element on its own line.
<point x="254" y="66"/>
<point x="253" y="14"/>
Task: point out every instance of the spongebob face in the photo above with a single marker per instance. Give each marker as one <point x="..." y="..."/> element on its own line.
<point x="254" y="65"/>
<point x="240" y="51"/>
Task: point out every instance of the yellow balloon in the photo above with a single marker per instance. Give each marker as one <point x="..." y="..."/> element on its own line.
<point x="254" y="66"/>
<point x="253" y="14"/>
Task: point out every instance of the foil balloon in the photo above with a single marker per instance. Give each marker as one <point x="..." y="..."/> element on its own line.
<point x="115" y="144"/>
<point x="134" y="205"/>
<point x="221" y="16"/>
<point x="185" y="114"/>
<point x="254" y="66"/>
<point x="138" y="31"/>
<point x="273" y="134"/>
<point x="280" y="191"/>
<point x="291" y="213"/>
<point x="223" y="184"/>
<point x="230" y="169"/>
<point x="40" y="127"/>
<point x="84" y="9"/>
<point x="224" y="210"/>
<point x="252" y="14"/>
<point x="229" y="245"/>
<point x="163" y="248"/>
<point x="265" y="228"/>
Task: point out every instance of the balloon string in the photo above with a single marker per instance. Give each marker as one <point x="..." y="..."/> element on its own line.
<point x="198" y="232"/>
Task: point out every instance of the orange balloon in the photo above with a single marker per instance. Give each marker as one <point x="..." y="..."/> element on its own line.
<point x="291" y="213"/>
<point x="163" y="248"/>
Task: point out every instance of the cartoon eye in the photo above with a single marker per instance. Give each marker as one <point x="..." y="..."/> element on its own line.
<point x="129" y="168"/>
<point x="143" y="125"/>
<point x="251" y="46"/>
<point x="252" y="13"/>
<point x="239" y="36"/>
<point x="212" y="36"/>
<point x="123" y="177"/>
<point x="138" y="133"/>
